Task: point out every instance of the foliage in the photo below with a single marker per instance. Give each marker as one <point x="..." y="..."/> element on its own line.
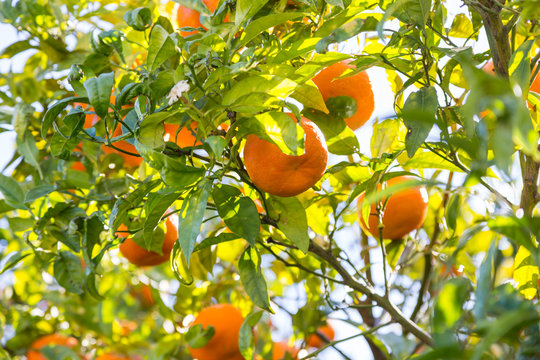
<point x="465" y="285"/>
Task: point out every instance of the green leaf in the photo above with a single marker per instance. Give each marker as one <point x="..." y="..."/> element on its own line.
<point x="122" y="205"/>
<point x="139" y="19"/>
<point x="38" y="192"/>
<point x="28" y="149"/>
<point x="160" y="49"/>
<point x="340" y="139"/>
<point x="61" y="147"/>
<point x="452" y="211"/>
<point x="91" y="229"/>
<point x="419" y="117"/>
<point x="246" y="339"/>
<point x="449" y="304"/>
<point x="217" y="144"/>
<point x="221" y="238"/>
<point x="483" y="289"/>
<point x="113" y="39"/>
<point x="386" y="137"/>
<point x="154" y="213"/>
<point x="13" y="192"/>
<point x="54" y="111"/>
<point x="238" y="212"/>
<point x="342" y="107"/>
<point x="342" y="33"/>
<point x="197" y="336"/>
<point x="13" y="260"/>
<point x="308" y="94"/>
<point x="191" y="216"/>
<point x="462" y="27"/>
<point x="246" y="9"/>
<point x="291" y="218"/>
<point x="252" y="278"/>
<point x="68" y="272"/>
<point x="520" y="68"/>
<point x="99" y="91"/>
<point x="276" y="127"/>
<point x="526" y="273"/>
<point x="408" y="11"/>
<point x="257" y="26"/>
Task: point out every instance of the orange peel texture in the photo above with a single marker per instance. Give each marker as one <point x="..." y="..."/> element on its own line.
<point x="405" y="211"/>
<point x="141" y="257"/>
<point x="53" y="339"/>
<point x="286" y="175"/>
<point x="226" y="320"/>
<point x="357" y="86"/>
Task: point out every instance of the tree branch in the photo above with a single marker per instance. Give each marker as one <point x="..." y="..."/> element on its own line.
<point x="382" y="301"/>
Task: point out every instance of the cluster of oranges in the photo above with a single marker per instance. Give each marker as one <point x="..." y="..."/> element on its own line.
<point x="226" y="321"/>
<point x="65" y="341"/>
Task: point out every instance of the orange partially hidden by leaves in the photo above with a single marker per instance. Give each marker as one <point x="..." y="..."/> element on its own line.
<point x="187" y="17"/>
<point x="77" y="165"/>
<point x="535" y="86"/>
<point x="129" y="160"/>
<point x="226" y="320"/>
<point x="316" y="341"/>
<point x="281" y="349"/>
<point x="111" y="356"/>
<point x="286" y="175"/>
<point x="90" y="119"/>
<point x="356" y="86"/>
<point x="184" y="137"/>
<point x="141" y="257"/>
<point x="405" y="211"/>
<point x="52" y="340"/>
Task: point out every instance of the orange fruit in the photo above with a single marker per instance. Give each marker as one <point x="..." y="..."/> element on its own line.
<point x="111" y="356"/>
<point x="405" y="211"/>
<point x="282" y="348"/>
<point x="226" y="320"/>
<point x="129" y="160"/>
<point x="286" y="175"/>
<point x="535" y="86"/>
<point x="77" y="165"/>
<point x="141" y="257"/>
<point x="185" y="137"/>
<point x="318" y="342"/>
<point x="90" y="119"/>
<point x="188" y="17"/>
<point x="356" y="86"/>
<point x="53" y="339"/>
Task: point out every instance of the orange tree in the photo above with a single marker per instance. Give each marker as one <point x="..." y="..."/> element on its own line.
<point x="462" y="283"/>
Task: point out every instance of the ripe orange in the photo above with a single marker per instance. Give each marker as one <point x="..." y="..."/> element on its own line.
<point x="90" y="119"/>
<point x="535" y="86"/>
<point x="141" y="257"/>
<point x="282" y="348"/>
<point x="286" y="175"/>
<point x="111" y="356"/>
<point x="405" y="211"/>
<point x="53" y="339"/>
<point x="316" y="341"/>
<point x="129" y="160"/>
<point x="188" y="17"/>
<point x="226" y="320"/>
<point x="357" y="87"/>
<point x="185" y="137"/>
<point x="77" y="165"/>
